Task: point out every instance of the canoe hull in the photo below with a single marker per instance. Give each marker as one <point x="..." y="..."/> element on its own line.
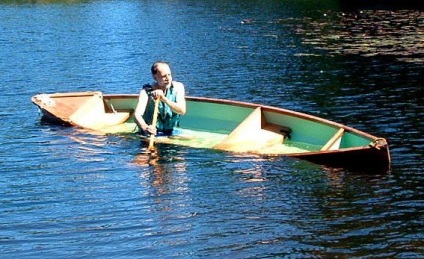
<point x="365" y="159"/>
<point x="245" y="127"/>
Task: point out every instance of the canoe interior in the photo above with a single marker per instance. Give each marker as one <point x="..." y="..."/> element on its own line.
<point x="216" y="118"/>
<point x="222" y="118"/>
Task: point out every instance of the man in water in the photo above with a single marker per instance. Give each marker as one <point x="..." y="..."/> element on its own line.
<point x="172" y="102"/>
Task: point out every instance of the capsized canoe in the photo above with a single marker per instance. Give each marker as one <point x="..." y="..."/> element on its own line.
<point x="227" y="125"/>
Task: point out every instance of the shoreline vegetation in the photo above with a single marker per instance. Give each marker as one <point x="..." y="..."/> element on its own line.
<point x="344" y="4"/>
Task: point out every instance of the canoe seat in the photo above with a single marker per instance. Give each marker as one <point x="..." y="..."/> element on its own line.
<point x="252" y="135"/>
<point x="334" y="142"/>
<point x="92" y="115"/>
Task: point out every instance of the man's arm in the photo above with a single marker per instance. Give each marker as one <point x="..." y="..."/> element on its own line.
<point x="140" y="109"/>
<point x="179" y="106"/>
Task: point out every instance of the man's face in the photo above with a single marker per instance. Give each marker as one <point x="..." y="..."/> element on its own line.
<point x="163" y="76"/>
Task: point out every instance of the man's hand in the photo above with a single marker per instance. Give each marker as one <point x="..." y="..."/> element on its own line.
<point x="158" y="94"/>
<point x="151" y="129"/>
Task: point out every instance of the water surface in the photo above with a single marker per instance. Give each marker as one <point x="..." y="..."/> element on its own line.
<point x="66" y="192"/>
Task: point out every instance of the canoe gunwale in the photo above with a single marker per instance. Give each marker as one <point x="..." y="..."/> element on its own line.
<point x="265" y="108"/>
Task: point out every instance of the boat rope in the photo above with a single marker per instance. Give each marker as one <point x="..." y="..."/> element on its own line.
<point x="378" y="143"/>
<point x="113" y="108"/>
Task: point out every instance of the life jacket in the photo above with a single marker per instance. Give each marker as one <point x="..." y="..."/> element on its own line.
<point x="167" y="119"/>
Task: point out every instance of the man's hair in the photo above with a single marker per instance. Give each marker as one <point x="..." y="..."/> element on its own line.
<point x="154" y="68"/>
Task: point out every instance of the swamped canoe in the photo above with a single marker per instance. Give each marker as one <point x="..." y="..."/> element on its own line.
<point x="230" y="126"/>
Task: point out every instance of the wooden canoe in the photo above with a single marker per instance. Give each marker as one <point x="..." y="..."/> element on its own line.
<point x="230" y="126"/>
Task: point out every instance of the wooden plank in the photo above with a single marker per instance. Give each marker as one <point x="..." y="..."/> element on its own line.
<point x="92" y="115"/>
<point x="249" y="136"/>
<point x="61" y="106"/>
<point x="334" y="142"/>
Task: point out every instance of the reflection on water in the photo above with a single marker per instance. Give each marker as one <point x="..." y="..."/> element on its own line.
<point x="164" y="167"/>
<point x="397" y="33"/>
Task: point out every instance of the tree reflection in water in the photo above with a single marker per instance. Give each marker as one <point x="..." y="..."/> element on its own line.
<point x="396" y="33"/>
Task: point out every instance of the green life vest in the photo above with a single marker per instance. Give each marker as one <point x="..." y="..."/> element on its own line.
<point x="167" y="119"/>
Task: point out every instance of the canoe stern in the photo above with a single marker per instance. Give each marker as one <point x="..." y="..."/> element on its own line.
<point x="374" y="158"/>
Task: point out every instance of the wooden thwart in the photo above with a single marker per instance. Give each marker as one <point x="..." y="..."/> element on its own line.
<point x="252" y="135"/>
<point x="92" y="115"/>
<point x="334" y="142"/>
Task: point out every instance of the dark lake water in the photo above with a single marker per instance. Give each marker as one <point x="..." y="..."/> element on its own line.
<point x="65" y="192"/>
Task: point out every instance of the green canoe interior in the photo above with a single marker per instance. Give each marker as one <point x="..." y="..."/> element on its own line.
<point x="208" y="122"/>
